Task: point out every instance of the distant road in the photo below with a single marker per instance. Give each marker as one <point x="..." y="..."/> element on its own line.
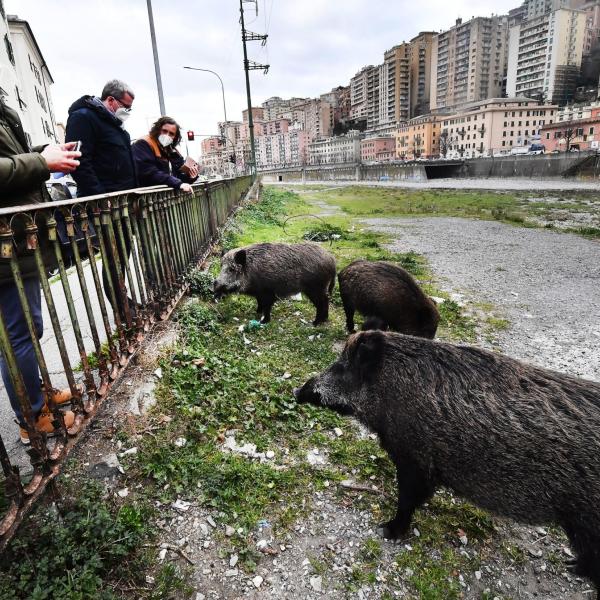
<point x="465" y="184"/>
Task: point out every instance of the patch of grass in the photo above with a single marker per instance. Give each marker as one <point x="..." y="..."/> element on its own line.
<point x="497" y="324"/>
<point x="75" y="554"/>
<point x="454" y="324"/>
<point x="229" y="384"/>
<point x="201" y="284"/>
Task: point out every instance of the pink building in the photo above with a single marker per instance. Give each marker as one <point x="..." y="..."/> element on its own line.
<point x="569" y="133"/>
<point x="379" y="149"/>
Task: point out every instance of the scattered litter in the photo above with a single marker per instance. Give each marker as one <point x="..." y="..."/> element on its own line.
<point x="162" y="554"/>
<point x="286" y="375"/>
<point x="180" y="442"/>
<point x="181" y="505"/>
<point x="297" y="297"/>
<point x="211" y="521"/>
<point x="254" y="324"/>
<point x="123" y="493"/>
<point x="314" y="457"/>
<point x="437" y="299"/>
<point x="158" y="373"/>
<point x="338" y="432"/>
<point x="316" y="583"/>
<point x="129" y="452"/>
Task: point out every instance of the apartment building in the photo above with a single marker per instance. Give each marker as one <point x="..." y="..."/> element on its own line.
<point x="419" y="137"/>
<point x="545" y="54"/>
<point x="493" y="126"/>
<point x="575" y="128"/>
<point x="469" y="62"/>
<point x="379" y="148"/>
<point x="398" y="96"/>
<point x="358" y="94"/>
<point x="335" y="150"/>
<point x="25" y="79"/>
<point x="421" y="48"/>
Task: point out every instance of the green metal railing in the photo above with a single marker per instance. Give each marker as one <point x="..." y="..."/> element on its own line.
<point x="151" y="239"/>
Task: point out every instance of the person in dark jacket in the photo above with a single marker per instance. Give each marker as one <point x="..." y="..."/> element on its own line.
<point x="157" y="160"/>
<point x="106" y="162"/>
<point x="23" y="172"/>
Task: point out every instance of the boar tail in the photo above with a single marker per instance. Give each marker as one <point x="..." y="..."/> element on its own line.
<point x="331" y="286"/>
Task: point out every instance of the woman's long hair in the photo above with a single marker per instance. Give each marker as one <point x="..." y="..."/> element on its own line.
<point x="157" y="126"/>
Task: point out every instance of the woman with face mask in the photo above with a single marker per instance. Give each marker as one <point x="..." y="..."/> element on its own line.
<point x="157" y="160"/>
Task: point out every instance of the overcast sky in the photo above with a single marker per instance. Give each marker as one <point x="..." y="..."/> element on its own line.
<point x="313" y="46"/>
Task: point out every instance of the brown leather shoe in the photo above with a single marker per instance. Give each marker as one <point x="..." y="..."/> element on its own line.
<point x="63" y="396"/>
<point x="44" y="424"/>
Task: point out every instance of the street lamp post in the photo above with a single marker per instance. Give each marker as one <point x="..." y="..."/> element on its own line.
<point x="221" y="81"/>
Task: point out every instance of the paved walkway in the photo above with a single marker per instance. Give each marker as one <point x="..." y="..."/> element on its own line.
<point x="9" y="431"/>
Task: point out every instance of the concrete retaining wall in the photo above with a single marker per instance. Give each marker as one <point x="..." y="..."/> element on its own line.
<point x="525" y="167"/>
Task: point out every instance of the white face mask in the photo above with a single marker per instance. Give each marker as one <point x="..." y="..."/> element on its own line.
<point x="165" y="140"/>
<point x="122" y="114"/>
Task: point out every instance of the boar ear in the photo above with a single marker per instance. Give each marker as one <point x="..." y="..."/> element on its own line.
<point x="240" y="258"/>
<point x="368" y="354"/>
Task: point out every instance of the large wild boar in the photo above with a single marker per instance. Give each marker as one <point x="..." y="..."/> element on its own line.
<point x="387" y="296"/>
<point x="270" y="271"/>
<point x="517" y="440"/>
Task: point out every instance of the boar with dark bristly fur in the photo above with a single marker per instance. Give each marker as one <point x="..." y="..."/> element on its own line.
<point x="271" y="271"/>
<point x="389" y="297"/>
<point x="517" y="440"/>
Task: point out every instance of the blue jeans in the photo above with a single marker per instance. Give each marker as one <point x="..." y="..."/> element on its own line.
<point x="18" y="334"/>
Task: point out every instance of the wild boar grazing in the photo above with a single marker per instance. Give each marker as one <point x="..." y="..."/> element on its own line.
<point x="271" y="271"/>
<point x="387" y="296"/>
<point x="517" y="440"/>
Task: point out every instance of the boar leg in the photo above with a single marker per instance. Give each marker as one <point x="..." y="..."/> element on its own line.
<point x="349" y="310"/>
<point x="321" y="302"/>
<point x="587" y="550"/>
<point x="413" y="490"/>
<point x="264" y="304"/>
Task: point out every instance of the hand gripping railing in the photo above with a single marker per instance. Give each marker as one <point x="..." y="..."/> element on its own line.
<point x="147" y="241"/>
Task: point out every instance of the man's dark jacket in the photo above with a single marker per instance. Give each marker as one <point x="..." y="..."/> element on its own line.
<point x="106" y="163"/>
<point x="23" y="172"/>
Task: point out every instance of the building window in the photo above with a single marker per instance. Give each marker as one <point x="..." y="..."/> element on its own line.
<point x="9" y="49"/>
<point x="591" y="131"/>
<point x="580" y="131"/>
<point x="548" y="136"/>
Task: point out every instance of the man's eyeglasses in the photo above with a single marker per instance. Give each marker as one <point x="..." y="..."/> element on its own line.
<point x="127" y="108"/>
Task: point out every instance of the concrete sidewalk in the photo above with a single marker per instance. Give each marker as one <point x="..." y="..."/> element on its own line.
<point x="9" y="430"/>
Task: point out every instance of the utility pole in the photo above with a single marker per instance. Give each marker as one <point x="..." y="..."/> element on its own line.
<point x="249" y="66"/>
<point x="161" y="98"/>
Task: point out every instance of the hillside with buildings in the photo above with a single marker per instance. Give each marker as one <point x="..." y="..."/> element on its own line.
<point x="481" y="88"/>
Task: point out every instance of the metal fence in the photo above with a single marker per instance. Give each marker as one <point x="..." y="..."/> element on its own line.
<point x="147" y="241"/>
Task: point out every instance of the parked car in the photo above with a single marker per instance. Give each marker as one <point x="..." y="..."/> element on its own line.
<point x="517" y="150"/>
<point x="537" y="149"/>
<point x="501" y="154"/>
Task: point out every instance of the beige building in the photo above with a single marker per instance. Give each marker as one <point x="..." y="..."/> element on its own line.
<point x="358" y="94"/>
<point x="419" y="137"/>
<point x="335" y="150"/>
<point x="30" y="94"/>
<point x="494" y="126"/>
<point x="398" y="63"/>
<point x="469" y="62"/>
<point x="421" y="48"/>
<point x="545" y="53"/>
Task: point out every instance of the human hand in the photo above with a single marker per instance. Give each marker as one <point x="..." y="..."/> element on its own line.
<point x="186" y="187"/>
<point x="193" y="171"/>
<point x="58" y="158"/>
<point x="68" y="146"/>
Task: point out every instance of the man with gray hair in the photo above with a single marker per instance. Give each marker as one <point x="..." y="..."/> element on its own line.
<point x="106" y="163"/>
<point x="106" y="160"/>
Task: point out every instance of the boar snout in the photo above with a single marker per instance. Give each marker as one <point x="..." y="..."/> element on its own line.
<point x="307" y="394"/>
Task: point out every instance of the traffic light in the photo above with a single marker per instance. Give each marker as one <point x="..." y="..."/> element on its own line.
<point x="190" y="135"/>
